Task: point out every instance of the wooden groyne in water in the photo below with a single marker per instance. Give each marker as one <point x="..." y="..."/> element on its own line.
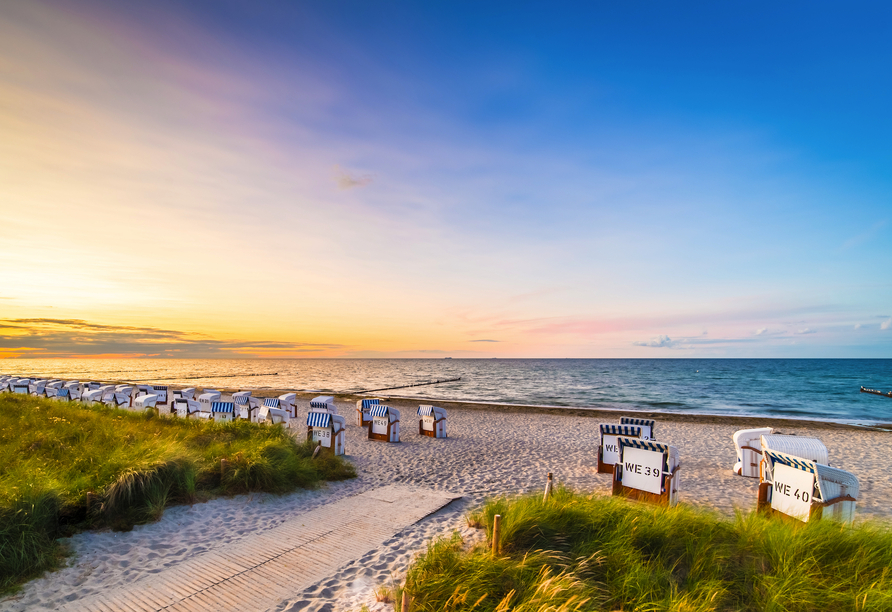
<point x="875" y="392"/>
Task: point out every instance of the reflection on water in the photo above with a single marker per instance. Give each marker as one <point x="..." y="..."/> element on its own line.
<point x="812" y="388"/>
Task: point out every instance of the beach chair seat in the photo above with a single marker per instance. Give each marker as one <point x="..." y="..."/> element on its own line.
<point x="362" y="410"/>
<point x="288" y="401"/>
<point x="246" y="406"/>
<point x="647" y="426"/>
<point x="432" y="422"/>
<point x="92" y="396"/>
<point x="748" y="443"/>
<point x="805" y="489"/>
<point x="327" y="430"/>
<point x="385" y="423"/>
<point x="608" y="448"/>
<point x="185" y="408"/>
<point x="647" y="471"/>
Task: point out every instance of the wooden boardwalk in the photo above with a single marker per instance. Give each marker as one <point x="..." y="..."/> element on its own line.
<point x="261" y="570"/>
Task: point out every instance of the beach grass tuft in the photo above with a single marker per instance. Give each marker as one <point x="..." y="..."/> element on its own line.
<point x="578" y="552"/>
<point x="65" y="467"/>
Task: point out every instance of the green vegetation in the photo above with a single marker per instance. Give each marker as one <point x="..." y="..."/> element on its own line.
<point x="600" y="553"/>
<point x="65" y="467"/>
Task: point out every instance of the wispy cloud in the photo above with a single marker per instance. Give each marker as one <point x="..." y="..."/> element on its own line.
<point x="886" y="324"/>
<point x="75" y="337"/>
<point x="346" y="180"/>
<point x="658" y="342"/>
<point x="484" y="340"/>
<point x="806" y="330"/>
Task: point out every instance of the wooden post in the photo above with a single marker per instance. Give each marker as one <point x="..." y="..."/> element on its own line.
<point x="318" y="448"/>
<point x="89" y="501"/>
<point x="496" y="532"/>
<point x="222" y="468"/>
<point x="404" y="607"/>
<point x="548" y="488"/>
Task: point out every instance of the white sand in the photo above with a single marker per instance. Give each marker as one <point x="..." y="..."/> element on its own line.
<point x="487" y="453"/>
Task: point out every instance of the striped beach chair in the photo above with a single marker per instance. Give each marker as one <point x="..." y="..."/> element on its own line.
<point x="36" y="387"/>
<point x="20" y="388"/>
<point x="327" y="430"/>
<point x="62" y="395"/>
<point x="804" y="448"/>
<point x="432" y="422"/>
<point x="748" y="443"/>
<point x="362" y="410"/>
<point x="246" y="407"/>
<point x="223" y="412"/>
<point x="385" y="423"/>
<point x="647" y="426"/>
<point x="208" y="397"/>
<point x="608" y="449"/>
<point x="325" y="403"/>
<point x="647" y="471"/>
<point x="805" y="489"/>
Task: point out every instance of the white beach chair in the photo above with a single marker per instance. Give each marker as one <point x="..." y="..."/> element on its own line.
<point x="327" y="430"/>
<point x="362" y="410"/>
<point x="608" y="449"/>
<point x="804" y="448"/>
<point x="805" y="489"/>
<point x="246" y="406"/>
<point x="187" y="393"/>
<point x="145" y="402"/>
<point x="647" y="471"/>
<point x="647" y="426"/>
<point x="74" y="390"/>
<point x="432" y="422"/>
<point x="273" y="416"/>
<point x="185" y="408"/>
<point x="749" y="450"/>
<point x="223" y="412"/>
<point x="36" y="387"/>
<point x="288" y="401"/>
<point x="385" y="423"/>
<point x="207" y="398"/>
<point x="92" y="396"/>
<point x="324" y="402"/>
<point x="62" y="395"/>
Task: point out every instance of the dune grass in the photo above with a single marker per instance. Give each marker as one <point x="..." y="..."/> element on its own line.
<point x="66" y="467"/>
<point x="579" y="552"/>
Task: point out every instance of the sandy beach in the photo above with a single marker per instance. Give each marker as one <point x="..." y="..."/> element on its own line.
<point x="490" y="451"/>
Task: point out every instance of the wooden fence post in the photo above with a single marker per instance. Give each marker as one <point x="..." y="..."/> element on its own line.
<point x="222" y="468"/>
<point x="547" y="488"/>
<point x="404" y="607"/>
<point x="496" y="533"/>
<point x="89" y="501"/>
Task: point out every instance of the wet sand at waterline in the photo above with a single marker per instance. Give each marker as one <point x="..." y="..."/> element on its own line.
<point x="491" y="450"/>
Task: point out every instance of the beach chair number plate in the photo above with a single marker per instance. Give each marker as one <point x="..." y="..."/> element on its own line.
<point x="379" y="425"/>
<point x="427" y="422"/>
<point x="642" y="469"/>
<point x="792" y="491"/>
<point x="323" y="436"/>
<point x="610" y="452"/>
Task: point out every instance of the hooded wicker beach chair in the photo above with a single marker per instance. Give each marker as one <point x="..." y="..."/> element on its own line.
<point x="246" y="406"/>
<point x="647" y="426"/>
<point x="223" y="412"/>
<point x="327" y="430"/>
<point x="608" y="449"/>
<point x="385" y="423"/>
<point x="145" y="402"/>
<point x="432" y="422"/>
<point x="325" y="403"/>
<point x="647" y="471"/>
<point x="185" y="408"/>
<point x="288" y="401"/>
<point x="748" y="443"/>
<point x="362" y="410"/>
<point x="814" y="491"/>
<point x="797" y="446"/>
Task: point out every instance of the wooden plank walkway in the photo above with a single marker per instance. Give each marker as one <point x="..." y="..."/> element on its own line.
<point x="261" y="570"/>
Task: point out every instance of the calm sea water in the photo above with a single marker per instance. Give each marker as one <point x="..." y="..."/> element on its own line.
<point x="826" y="389"/>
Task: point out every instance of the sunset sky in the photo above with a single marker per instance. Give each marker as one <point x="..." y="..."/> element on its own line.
<point x="419" y="179"/>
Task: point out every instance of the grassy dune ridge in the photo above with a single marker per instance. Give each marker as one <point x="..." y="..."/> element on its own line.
<point x="579" y="552"/>
<point x="53" y="454"/>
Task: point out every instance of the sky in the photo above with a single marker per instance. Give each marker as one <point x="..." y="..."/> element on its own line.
<point x="467" y="179"/>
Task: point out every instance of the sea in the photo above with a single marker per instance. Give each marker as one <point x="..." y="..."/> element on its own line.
<point x="816" y="389"/>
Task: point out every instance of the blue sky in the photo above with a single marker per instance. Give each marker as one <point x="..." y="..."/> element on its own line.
<point x="591" y="180"/>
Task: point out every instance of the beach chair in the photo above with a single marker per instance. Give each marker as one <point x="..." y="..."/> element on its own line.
<point x="223" y="412"/>
<point x="805" y="489"/>
<point x="608" y="449"/>
<point x="145" y="402"/>
<point x="385" y="423"/>
<point x="92" y="396"/>
<point x="274" y="416"/>
<point x="185" y="408"/>
<point x="4" y="384"/>
<point x="749" y="450"/>
<point x="207" y="398"/>
<point x="36" y="387"/>
<point x="187" y="393"/>
<point x="288" y="401"/>
<point x="246" y="406"/>
<point x="432" y="422"/>
<point x="797" y="446"/>
<point x="327" y="430"/>
<point x="646" y="425"/>
<point x="362" y="410"/>
<point x="74" y="390"/>
<point x="324" y="402"/>
<point x="647" y="471"/>
<point x="62" y="395"/>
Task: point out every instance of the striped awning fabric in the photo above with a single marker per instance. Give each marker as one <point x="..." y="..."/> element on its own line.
<point x="632" y="421"/>
<point x="62" y="393"/>
<point x="611" y="429"/>
<point x="159" y="387"/>
<point x="241" y="400"/>
<point x="794" y="462"/>
<point x="366" y="403"/>
<point x="379" y="410"/>
<point x="323" y="405"/>
<point x="425" y="410"/>
<point x="271" y="402"/>
<point x="642" y="444"/>
<point x="318" y="419"/>
<point x="222" y="407"/>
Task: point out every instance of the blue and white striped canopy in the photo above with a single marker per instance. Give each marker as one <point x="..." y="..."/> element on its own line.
<point x="271" y="402"/>
<point x="633" y="421"/>
<point x="241" y="400"/>
<point x="425" y="410"/>
<point x="62" y="393"/>
<point x="379" y="410"/>
<point x="369" y="402"/>
<point x="794" y="462"/>
<point x="318" y="419"/>
<point x="222" y="407"/>
<point x="159" y="387"/>
<point x="611" y="429"/>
